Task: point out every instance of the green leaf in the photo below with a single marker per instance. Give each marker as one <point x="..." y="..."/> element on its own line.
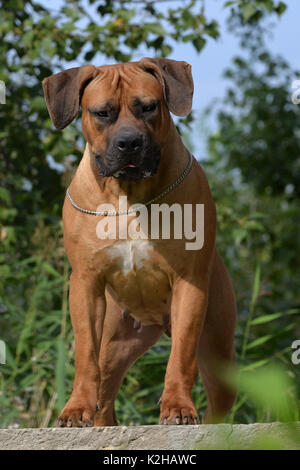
<point x="280" y="8"/>
<point x="270" y="388"/>
<point x="60" y="373"/>
<point x="248" y="11"/>
<point x="50" y="269"/>
<point x="254" y="365"/>
<point x="273" y="316"/>
<point x="259" y="341"/>
<point x="199" y="42"/>
<point x="38" y="103"/>
<point x="266" y="318"/>
<point x="156" y="28"/>
<point x="229" y="3"/>
<point x="256" y="286"/>
<point x="4" y="195"/>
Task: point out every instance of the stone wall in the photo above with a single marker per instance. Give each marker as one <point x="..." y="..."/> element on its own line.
<point x="222" y="436"/>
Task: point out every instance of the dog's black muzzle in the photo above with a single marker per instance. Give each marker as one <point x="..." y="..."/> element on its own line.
<point x="130" y="156"/>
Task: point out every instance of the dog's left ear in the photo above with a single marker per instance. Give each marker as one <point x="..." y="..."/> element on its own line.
<point x="176" y="80"/>
<point x="63" y="92"/>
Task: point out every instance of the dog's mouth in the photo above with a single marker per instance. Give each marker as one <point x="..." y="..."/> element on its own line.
<point x="131" y="172"/>
<point x="129" y="165"/>
<point x="133" y="168"/>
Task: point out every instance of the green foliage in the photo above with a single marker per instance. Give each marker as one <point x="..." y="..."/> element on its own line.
<point x="32" y="325"/>
<point x="258" y="241"/>
<point x="271" y="389"/>
<point x="253" y="10"/>
<point x="253" y="171"/>
<point x="259" y="125"/>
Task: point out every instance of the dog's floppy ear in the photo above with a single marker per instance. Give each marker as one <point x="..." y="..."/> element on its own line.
<point x="63" y="92"/>
<point x="176" y="80"/>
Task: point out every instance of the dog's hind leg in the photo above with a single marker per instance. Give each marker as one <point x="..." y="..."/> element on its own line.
<point x="216" y="348"/>
<point x="122" y="344"/>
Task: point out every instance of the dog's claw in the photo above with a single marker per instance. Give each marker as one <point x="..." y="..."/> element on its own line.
<point x="137" y="325"/>
<point x="87" y="424"/>
<point x="125" y="313"/>
<point x="178" y="415"/>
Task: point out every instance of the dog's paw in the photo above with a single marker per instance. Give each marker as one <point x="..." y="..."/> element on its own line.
<point x="72" y="417"/>
<point x="103" y="418"/>
<point x="181" y="413"/>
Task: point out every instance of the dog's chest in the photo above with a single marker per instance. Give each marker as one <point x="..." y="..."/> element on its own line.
<point x="139" y="279"/>
<point x="130" y="256"/>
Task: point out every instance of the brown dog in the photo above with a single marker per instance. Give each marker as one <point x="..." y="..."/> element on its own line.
<point x="124" y="294"/>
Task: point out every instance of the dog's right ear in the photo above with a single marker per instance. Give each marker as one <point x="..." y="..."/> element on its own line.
<point x="176" y="80"/>
<point x="63" y="92"/>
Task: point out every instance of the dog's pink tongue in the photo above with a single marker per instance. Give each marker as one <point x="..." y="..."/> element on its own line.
<point x="130" y="165"/>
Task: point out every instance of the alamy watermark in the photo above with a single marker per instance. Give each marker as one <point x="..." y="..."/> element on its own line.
<point x="296" y="94"/>
<point x="296" y="353"/>
<point x="2" y="92"/>
<point x="2" y="352"/>
<point x="176" y="221"/>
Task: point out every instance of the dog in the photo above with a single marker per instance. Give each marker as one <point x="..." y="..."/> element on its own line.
<point x="124" y="294"/>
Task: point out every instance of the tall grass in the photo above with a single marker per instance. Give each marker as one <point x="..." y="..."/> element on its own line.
<point x="37" y="378"/>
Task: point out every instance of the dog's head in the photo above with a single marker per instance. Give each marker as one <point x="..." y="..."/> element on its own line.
<point x="125" y="110"/>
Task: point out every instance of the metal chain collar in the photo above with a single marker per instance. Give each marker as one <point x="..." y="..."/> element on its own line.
<point x="136" y="208"/>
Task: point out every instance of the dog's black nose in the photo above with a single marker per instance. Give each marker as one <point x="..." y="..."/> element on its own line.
<point x="129" y="142"/>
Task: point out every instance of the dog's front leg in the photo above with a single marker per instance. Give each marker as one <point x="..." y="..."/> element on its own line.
<point x="188" y="310"/>
<point x="87" y="308"/>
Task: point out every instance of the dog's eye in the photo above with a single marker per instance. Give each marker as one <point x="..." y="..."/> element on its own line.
<point x="102" y="114"/>
<point x="148" y="108"/>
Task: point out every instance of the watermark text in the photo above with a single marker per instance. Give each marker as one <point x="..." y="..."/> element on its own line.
<point x="2" y="352"/>
<point x="296" y="353"/>
<point x="2" y="92"/>
<point x="296" y="93"/>
<point x="166" y="222"/>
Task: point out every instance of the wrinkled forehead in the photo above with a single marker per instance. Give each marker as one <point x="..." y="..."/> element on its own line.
<point x="122" y="82"/>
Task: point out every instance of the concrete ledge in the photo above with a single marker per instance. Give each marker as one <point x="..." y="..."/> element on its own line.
<point x="222" y="436"/>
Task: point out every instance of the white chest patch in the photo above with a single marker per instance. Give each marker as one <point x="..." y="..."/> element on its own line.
<point x="132" y="254"/>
